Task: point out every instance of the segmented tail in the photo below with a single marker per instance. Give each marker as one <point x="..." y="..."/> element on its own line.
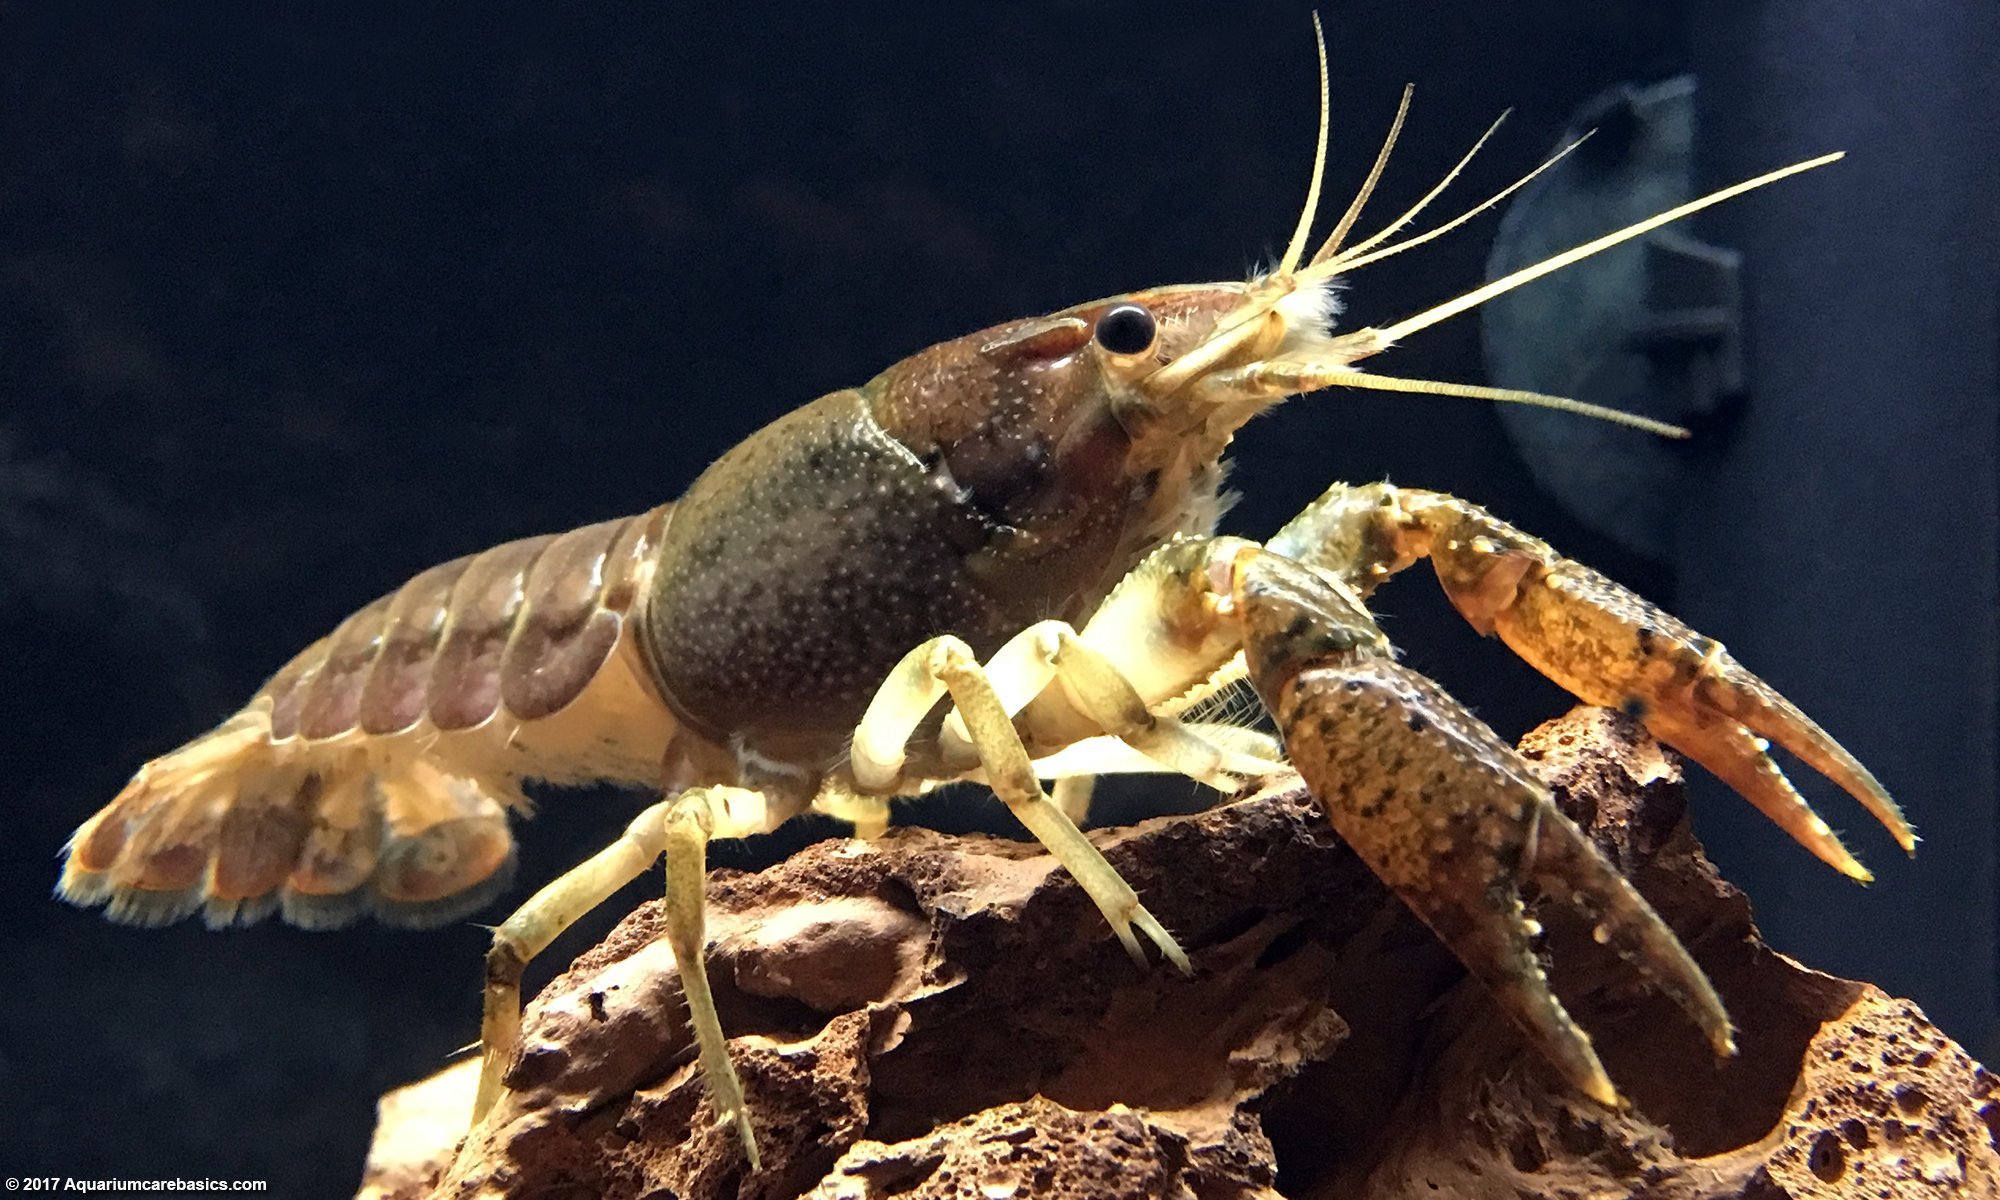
<point x="374" y="773"/>
<point x="238" y="827"/>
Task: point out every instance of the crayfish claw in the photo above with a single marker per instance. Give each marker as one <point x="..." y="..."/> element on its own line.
<point x="1738" y="757"/>
<point x="1498" y="949"/>
<point x="1610" y="647"/>
<point x="1450" y="819"/>
<point x="1727" y="695"/>
<point x="1564" y="862"/>
<point x="1447" y="814"/>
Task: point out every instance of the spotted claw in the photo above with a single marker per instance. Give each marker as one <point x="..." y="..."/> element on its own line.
<point x="1610" y="647"/>
<point x="1446" y="813"/>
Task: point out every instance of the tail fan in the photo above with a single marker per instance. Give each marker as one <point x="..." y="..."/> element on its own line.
<point x="236" y="827"/>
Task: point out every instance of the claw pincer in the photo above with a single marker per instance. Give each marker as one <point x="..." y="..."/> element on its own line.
<point x="1612" y="648"/>
<point x="1444" y="811"/>
<point x="1439" y="805"/>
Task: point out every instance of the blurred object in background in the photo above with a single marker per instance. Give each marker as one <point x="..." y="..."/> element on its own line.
<point x="1651" y="327"/>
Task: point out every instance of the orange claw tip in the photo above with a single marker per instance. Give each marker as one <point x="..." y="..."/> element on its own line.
<point x="1826" y="846"/>
<point x="1817" y="836"/>
<point x="1905" y="835"/>
<point x="1873" y="797"/>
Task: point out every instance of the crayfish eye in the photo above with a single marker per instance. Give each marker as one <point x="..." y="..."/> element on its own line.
<point x="1127" y="329"/>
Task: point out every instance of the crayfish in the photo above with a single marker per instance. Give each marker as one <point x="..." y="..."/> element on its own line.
<point x="995" y="561"/>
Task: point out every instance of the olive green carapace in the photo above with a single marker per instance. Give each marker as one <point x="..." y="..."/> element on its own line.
<point x="868" y="502"/>
<point x="976" y="487"/>
<point x="822" y="501"/>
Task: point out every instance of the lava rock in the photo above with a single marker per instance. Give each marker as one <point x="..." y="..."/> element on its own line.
<point x="932" y="1017"/>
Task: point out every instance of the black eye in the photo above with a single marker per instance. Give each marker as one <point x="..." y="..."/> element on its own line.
<point x="1126" y="329"/>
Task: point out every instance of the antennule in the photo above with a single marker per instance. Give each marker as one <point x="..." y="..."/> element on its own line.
<point x="1330" y="265"/>
<point x="1297" y="246"/>
<point x="1356" y="260"/>
<point x="1353" y="213"/>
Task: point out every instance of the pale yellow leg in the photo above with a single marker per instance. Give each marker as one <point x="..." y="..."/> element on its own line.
<point x="689" y="825"/>
<point x="680" y="829"/>
<point x="868" y="814"/>
<point x="947" y="664"/>
<point x="1242" y="740"/>
<point x="1106" y="755"/>
<point x="1046" y="652"/>
<point x="1071" y="794"/>
<point x="1016" y="674"/>
<point x="1074" y="769"/>
<point x="1096" y="686"/>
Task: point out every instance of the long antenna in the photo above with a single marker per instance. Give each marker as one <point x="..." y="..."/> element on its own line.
<point x="1507" y="283"/>
<point x="1434" y="387"/>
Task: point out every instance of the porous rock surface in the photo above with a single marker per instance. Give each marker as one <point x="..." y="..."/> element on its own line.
<point x="930" y="1017"/>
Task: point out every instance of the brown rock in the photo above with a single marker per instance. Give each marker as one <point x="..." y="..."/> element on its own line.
<point x="925" y="1016"/>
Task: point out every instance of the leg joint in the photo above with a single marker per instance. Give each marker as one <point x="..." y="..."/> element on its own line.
<point x="504" y="960"/>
